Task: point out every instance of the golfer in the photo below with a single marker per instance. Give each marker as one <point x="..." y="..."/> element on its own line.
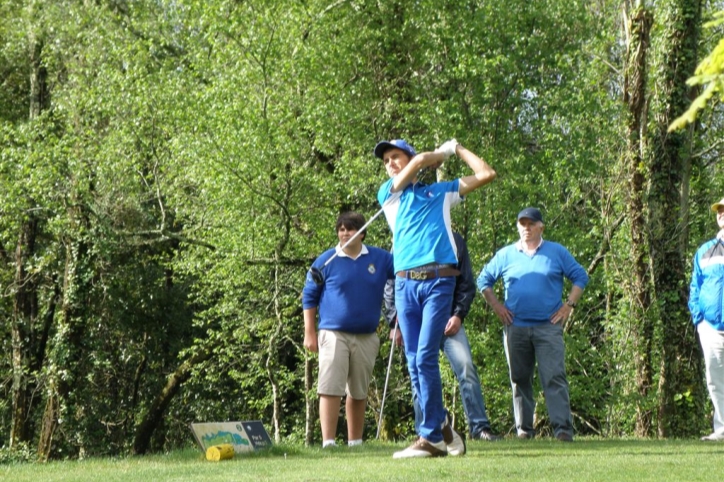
<point x="349" y="303"/>
<point x="425" y="260"/>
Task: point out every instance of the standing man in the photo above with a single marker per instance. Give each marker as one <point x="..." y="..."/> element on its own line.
<point x="706" y="297"/>
<point x="349" y="304"/>
<point x="533" y="316"/>
<point x="456" y="347"/>
<point x="425" y="259"/>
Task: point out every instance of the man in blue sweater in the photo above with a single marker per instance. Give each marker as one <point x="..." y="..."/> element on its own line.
<point x="533" y="316"/>
<point x="425" y="259"/>
<point x="706" y="298"/>
<point x="349" y="305"/>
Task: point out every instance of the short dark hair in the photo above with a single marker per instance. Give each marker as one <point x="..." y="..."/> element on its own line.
<point x="351" y="220"/>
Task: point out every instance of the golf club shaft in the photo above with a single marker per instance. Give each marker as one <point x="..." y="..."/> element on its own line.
<point x="387" y="379"/>
<point x="355" y="236"/>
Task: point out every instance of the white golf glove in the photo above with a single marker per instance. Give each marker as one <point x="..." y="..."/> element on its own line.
<point x="448" y="148"/>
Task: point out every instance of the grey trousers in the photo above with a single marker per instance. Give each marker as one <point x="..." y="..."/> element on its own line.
<point x="524" y="345"/>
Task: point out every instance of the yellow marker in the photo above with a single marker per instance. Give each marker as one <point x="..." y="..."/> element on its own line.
<point x="220" y="452"/>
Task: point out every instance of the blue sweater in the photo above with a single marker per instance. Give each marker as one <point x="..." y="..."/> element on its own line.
<point x="706" y="292"/>
<point x="351" y="298"/>
<point x="533" y="284"/>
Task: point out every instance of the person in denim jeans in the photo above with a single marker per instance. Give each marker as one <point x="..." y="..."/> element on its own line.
<point x="533" y="316"/>
<point x="425" y="257"/>
<point x="456" y="347"/>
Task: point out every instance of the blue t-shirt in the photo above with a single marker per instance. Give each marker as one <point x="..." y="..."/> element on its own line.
<point x="533" y="284"/>
<point x="419" y="217"/>
<point x="350" y="299"/>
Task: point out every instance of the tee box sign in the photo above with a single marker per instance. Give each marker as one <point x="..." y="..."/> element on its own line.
<point x="243" y="436"/>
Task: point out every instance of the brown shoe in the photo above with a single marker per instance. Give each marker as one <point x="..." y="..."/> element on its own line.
<point x="422" y="448"/>
<point x="454" y="441"/>
<point x="564" y="437"/>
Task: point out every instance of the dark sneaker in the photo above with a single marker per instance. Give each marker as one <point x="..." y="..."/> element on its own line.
<point x="487" y="436"/>
<point x="454" y="441"/>
<point x="564" y="437"/>
<point x="422" y="448"/>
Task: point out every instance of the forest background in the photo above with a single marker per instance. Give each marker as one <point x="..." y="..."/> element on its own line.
<point x="170" y="168"/>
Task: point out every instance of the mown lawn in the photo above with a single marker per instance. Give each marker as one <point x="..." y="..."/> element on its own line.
<point x="539" y="460"/>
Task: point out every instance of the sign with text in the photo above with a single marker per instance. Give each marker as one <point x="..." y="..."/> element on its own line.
<point x="243" y="436"/>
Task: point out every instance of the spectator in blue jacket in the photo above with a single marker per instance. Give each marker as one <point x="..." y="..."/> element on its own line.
<point x="706" y="296"/>
<point x="533" y="316"/>
<point x="349" y="305"/>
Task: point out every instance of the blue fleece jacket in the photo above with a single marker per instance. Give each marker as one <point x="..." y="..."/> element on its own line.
<point x="706" y="292"/>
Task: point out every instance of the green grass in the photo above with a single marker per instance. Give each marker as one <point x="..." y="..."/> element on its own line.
<point x="539" y="460"/>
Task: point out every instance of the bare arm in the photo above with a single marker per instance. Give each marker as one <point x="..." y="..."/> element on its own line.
<point x="565" y="311"/>
<point x="416" y="164"/>
<point x="483" y="173"/>
<point x="310" y="329"/>
<point x="505" y="315"/>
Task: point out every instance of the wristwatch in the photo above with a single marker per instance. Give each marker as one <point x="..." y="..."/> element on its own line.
<point x="571" y="303"/>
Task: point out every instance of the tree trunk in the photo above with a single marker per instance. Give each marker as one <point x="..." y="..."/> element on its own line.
<point x="24" y="315"/>
<point x="639" y="27"/>
<point x="310" y="418"/>
<point x="154" y="416"/>
<point x="680" y="370"/>
<point x="68" y="351"/>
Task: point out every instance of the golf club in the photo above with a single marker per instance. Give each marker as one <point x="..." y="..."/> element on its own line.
<point x="387" y="379"/>
<point x="316" y="273"/>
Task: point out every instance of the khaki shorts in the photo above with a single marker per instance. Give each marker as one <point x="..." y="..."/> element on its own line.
<point x="346" y="360"/>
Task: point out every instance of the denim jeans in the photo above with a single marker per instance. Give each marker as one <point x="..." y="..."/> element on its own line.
<point x="544" y="343"/>
<point x="712" y="344"/>
<point x="423" y="308"/>
<point x="457" y="350"/>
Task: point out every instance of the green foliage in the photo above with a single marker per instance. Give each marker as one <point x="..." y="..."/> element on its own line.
<point x="193" y="158"/>
<point x="22" y="454"/>
<point x="710" y="73"/>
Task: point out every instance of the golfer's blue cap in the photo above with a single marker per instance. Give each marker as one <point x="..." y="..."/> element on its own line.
<point x="384" y="146"/>
<point x="531" y="213"/>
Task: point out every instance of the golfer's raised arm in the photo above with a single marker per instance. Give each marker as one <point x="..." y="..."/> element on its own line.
<point x="483" y="173"/>
<point x="416" y="164"/>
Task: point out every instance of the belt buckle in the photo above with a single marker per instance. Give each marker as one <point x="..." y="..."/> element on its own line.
<point x="418" y="275"/>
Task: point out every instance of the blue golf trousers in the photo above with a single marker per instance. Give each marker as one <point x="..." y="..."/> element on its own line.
<point x="423" y="308"/>
<point x="457" y="350"/>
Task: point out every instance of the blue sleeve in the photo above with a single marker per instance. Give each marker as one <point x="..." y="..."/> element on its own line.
<point x="311" y="293"/>
<point x="694" y="290"/>
<point x="491" y="272"/>
<point x="572" y="269"/>
<point x="384" y="191"/>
